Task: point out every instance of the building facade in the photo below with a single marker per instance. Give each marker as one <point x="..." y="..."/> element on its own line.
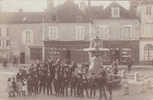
<point x="129" y="31"/>
<point x="145" y="11"/>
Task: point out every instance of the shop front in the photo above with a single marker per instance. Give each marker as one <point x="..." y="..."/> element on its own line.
<point x="123" y="50"/>
<point x="66" y="50"/>
<point x="73" y="51"/>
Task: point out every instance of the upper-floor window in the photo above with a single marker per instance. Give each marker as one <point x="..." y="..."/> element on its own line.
<point x="148" y="30"/>
<point x="0" y="32"/>
<point x="103" y="32"/>
<point x="7" y="43"/>
<point x="53" y="33"/>
<point x="80" y="33"/>
<point x="148" y="11"/>
<point x="28" y="36"/>
<point x="115" y="12"/>
<point x="126" y="32"/>
<point x="4" y="31"/>
<point x="7" y="31"/>
<point x="4" y="43"/>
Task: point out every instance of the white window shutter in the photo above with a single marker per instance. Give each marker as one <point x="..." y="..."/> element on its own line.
<point x="5" y="31"/>
<point x="83" y="33"/>
<point x="49" y="32"/>
<point x="76" y="33"/>
<point x="23" y="37"/>
<point x="32" y="37"/>
<point x="56" y="33"/>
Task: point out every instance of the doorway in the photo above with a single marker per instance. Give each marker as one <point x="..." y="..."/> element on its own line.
<point x="22" y="58"/>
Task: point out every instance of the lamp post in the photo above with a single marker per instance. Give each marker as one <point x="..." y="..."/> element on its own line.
<point x="43" y="38"/>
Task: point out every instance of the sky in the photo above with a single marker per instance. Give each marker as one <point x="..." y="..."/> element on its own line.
<point x="27" y="5"/>
<point x="38" y="5"/>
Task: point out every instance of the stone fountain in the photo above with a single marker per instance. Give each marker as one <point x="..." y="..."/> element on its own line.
<point x="95" y="52"/>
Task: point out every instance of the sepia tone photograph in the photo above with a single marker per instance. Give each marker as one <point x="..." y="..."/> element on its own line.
<point x="76" y="49"/>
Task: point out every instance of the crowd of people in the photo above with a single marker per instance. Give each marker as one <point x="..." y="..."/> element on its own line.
<point x="58" y="79"/>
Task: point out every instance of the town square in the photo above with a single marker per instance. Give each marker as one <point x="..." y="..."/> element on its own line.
<point x="76" y="49"/>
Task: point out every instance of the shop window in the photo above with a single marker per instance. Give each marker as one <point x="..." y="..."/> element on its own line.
<point x="148" y="52"/>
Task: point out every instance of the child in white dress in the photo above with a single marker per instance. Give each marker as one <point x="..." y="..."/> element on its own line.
<point x="9" y="87"/>
<point x="24" y="88"/>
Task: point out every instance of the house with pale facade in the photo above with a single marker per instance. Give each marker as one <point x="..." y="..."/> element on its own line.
<point x="145" y="12"/>
<point x="18" y="32"/>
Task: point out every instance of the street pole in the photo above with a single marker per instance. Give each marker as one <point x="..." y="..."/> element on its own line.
<point x="43" y="38"/>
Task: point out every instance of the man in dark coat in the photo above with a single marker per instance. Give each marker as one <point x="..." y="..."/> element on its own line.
<point x="49" y="84"/>
<point x="129" y="64"/>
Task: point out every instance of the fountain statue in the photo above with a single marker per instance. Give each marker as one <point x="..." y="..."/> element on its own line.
<point x="95" y="52"/>
<point x="96" y="43"/>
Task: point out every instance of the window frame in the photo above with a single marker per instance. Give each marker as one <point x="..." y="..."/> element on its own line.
<point x="115" y="12"/>
<point x="53" y="32"/>
<point x="25" y="36"/>
<point x="130" y="34"/>
<point x="149" y="10"/>
<point x="80" y="32"/>
<point x="7" y="31"/>
<point x="7" y="43"/>
<point x="148" y="52"/>
<point x="104" y="32"/>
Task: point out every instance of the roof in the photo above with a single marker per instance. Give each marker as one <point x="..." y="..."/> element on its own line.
<point x="124" y="13"/>
<point x="146" y="1"/>
<point x="70" y="12"/>
<point x="24" y="17"/>
<point x="67" y="13"/>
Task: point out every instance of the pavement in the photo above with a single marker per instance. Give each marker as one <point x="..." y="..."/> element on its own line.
<point x="139" y="67"/>
<point x="135" y="89"/>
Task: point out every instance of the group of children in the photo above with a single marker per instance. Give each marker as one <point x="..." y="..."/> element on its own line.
<point x="16" y="87"/>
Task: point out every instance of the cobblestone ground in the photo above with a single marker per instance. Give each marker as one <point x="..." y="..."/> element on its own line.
<point x="117" y="93"/>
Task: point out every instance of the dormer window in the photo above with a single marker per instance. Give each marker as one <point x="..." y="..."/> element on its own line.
<point x="115" y="12"/>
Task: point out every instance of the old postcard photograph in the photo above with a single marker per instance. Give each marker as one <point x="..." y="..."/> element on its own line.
<point x="76" y="49"/>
